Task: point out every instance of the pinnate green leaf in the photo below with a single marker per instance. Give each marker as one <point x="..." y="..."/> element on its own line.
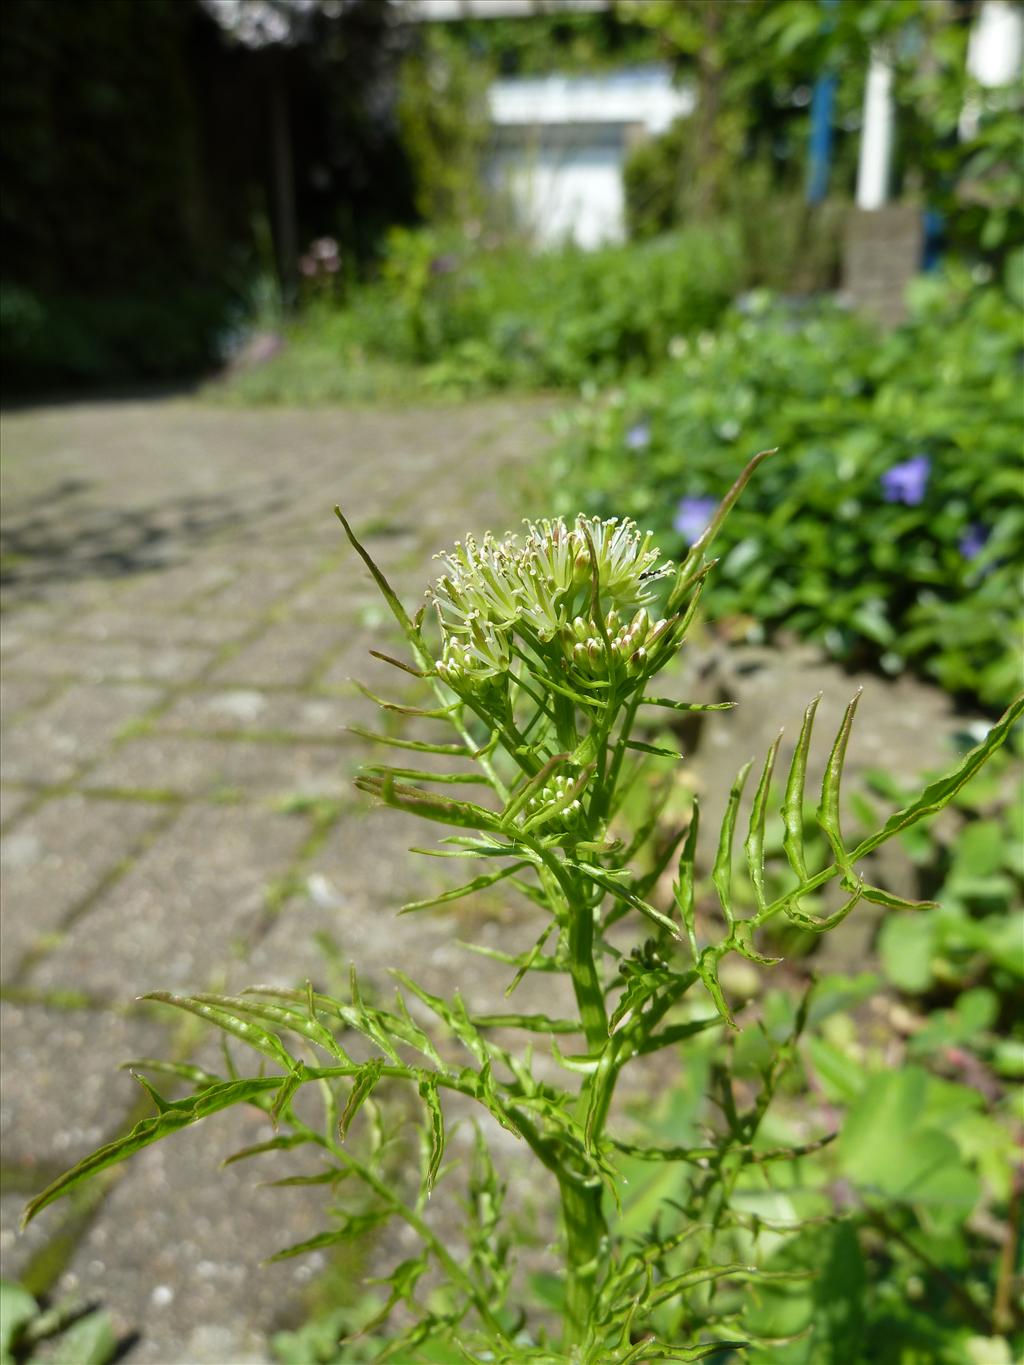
<point x="178" y="1114"/>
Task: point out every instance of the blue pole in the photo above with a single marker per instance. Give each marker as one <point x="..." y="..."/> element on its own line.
<point x="823" y="101"/>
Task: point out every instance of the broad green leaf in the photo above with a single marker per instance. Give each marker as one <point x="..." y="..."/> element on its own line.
<point x="907" y="948"/>
<point x="841" y="1078"/>
<point x="886" y="1148"/>
<point x="88" y="1341"/>
<point x="17" y="1308"/>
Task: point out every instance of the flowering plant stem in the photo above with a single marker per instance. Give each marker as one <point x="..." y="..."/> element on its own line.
<point x="545" y="651"/>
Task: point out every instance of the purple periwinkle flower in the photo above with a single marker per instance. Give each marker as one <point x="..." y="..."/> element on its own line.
<point x="693" y="516"/>
<point x="444" y="265"/>
<point x="973" y="540"/>
<point x="907" y="482"/>
<point x="638" y="437"/>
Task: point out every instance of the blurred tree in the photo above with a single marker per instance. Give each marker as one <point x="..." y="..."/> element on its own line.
<point x="136" y="165"/>
<point x="755" y="63"/>
<point x="445" y="122"/>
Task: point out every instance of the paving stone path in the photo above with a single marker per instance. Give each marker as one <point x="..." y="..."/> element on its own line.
<point x="181" y="621"/>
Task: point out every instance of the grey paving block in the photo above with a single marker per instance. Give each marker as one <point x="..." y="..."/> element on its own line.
<point x="51" y="744"/>
<point x="13" y="802"/>
<point x="229" y="768"/>
<point x="900" y="726"/>
<point x="352" y="661"/>
<point x="247" y="710"/>
<point x="188" y="1275"/>
<point x="187" y="906"/>
<point x="54" y="859"/>
<point x="174" y="589"/>
<point x="165" y="628"/>
<point x="331" y="596"/>
<point x="18" y="1247"/>
<point x="175" y="1252"/>
<point x="18" y="694"/>
<point x="351" y="894"/>
<point x="256" y="588"/>
<point x="285" y="655"/>
<point x="117" y="660"/>
<point x="27" y="624"/>
<point x="43" y="1118"/>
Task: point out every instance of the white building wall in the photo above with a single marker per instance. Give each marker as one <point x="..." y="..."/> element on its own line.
<point x="561" y="142"/>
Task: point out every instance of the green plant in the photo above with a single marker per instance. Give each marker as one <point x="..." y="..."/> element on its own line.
<point x="68" y="1334"/>
<point x="473" y="318"/>
<point x="892" y="531"/>
<point x="442" y="108"/>
<point x="546" y="654"/>
<point x="964" y="957"/>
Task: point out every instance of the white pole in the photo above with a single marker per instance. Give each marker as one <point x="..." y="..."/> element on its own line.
<point x="996" y="43"/>
<point x="994" y="55"/>
<point x="876" y="138"/>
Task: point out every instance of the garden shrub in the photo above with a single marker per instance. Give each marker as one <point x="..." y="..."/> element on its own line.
<point x="891" y="530"/>
<point x="472" y="318"/>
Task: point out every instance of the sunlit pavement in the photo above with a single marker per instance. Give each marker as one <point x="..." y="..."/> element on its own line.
<point x="181" y="619"/>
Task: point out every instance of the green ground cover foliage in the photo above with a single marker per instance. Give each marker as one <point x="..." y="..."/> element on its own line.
<point x="452" y="319"/>
<point x="889" y="527"/>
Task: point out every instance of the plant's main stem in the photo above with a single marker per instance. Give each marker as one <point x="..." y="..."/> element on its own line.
<point x="585" y="1233"/>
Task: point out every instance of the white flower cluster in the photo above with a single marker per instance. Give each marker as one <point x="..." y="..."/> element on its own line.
<point x="536" y="585"/>
<point x="632" y="643"/>
<point x="550" y="806"/>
